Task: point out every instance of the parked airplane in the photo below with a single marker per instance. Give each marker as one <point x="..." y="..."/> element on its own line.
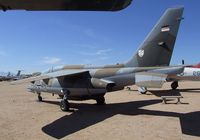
<point x="18" y="76"/>
<point x="73" y="5"/>
<point x="191" y="73"/>
<point x="196" y="66"/>
<point x="148" y="66"/>
<point x="5" y="78"/>
<point x="10" y="77"/>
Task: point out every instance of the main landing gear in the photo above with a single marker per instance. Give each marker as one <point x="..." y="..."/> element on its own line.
<point x="174" y="85"/>
<point x="64" y="104"/>
<point x="100" y="100"/>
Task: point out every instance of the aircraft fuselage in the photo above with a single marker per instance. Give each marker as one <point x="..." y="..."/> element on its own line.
<point x="96" y="82"/>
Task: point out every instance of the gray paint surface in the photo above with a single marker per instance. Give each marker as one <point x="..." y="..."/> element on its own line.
<point x="150" y="63"/>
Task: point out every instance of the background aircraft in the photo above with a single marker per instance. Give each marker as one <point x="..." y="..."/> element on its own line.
<point x="18" y="76"/>
<point x="10" y="77"/>
<point x="196" y="66"/>
<point x="190" y="73"/>
<point x="4" y="77"/>
<point x="148" y="66"/>
<point x="73" y="5"/>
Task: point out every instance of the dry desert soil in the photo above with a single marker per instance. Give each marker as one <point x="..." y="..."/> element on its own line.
<point x="127" y="115"/>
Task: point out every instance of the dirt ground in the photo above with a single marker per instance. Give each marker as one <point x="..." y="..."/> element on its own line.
<point x="127" y="115"/>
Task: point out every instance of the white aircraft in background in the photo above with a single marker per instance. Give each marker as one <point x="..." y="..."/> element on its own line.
<point x="190" y="73"/>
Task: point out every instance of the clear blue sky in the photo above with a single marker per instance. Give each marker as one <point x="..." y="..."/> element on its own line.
<point x="35" y="41"/>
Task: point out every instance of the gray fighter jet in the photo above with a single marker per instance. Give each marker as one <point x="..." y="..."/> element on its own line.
<point x="72" y="5"/>
<point x="5" y="77"/>
<point x="148" y="66"/>
<point x="18" y="76"/>
<point x="11" y="77"/>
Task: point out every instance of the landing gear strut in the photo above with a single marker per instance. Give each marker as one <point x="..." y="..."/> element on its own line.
<point x="174" y="85"/>
<point x="64" y="104"/>
<point x="39" y="97"/>
<point x="100" y="100"/>
<point x="142" y="90"/>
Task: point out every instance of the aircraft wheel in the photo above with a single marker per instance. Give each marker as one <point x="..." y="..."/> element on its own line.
<point x="174" y="85"/>
<point x="64" y="105"/>
<point x="100" y="101"/>
<point x="40" y="98"/>
<point x="61" y="96"/>
<point x="142" y="90"/>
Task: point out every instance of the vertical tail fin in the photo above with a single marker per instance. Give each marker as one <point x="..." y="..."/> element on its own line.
<point x="8" y="74"/>
<point x="18" y="73"/>
<point x="157" y="48"/>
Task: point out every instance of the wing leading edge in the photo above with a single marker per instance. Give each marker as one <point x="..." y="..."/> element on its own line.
<point x="57" y="74"/>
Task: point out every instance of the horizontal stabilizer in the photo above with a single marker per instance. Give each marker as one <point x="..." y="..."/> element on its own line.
<point x="169" y="70"/>
<point x="150" y="80"/>
<point x="156" y="78"/>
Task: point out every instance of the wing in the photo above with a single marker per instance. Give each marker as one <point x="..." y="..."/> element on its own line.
<point x="156" y="78"/>
<point x="74" y="5"/>
<point x="57" y="74"/>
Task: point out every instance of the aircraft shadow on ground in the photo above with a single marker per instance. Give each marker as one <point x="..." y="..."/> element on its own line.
<point x="176" y="92"/>
<point x="88" y="115"/>
<point x="160" y="93"/>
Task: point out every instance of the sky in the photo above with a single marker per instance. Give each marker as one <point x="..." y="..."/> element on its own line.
<point x="35" y="41"/>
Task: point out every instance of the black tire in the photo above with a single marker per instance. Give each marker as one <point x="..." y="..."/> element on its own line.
<point x="61" y="96"/>
<point x="64" y="105"/>
<point x="174" y="85"/>
<point x="100" y="101"/>
<point x="39" y="98"/>
<point x="143" y="92"/>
